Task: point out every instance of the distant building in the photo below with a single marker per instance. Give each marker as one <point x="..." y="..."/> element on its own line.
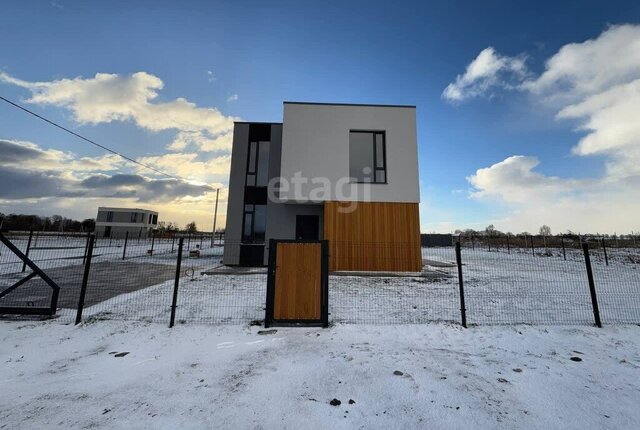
<point x="116" y="222"/>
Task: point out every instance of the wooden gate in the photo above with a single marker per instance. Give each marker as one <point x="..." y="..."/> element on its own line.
<point x="297" y="287"/>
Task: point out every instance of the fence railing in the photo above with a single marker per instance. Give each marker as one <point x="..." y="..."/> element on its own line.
<point x="182" y="280"/>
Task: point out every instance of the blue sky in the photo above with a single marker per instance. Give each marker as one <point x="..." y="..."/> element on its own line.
<point x="245" y="58"/>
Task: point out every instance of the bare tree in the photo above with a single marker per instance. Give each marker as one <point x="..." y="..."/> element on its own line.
<point x="545" y="231"/>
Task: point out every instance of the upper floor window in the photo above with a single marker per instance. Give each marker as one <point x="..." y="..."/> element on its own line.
<point x="109" y="216"/>
<point x="258" y="164"/>
<point x="368" y="156"/>
<point x="134" y="216"/>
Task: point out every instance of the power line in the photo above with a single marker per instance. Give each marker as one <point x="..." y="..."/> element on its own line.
<point x="92" y="142"/>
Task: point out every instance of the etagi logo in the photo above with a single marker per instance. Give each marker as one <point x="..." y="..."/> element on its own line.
<point x="301" y="188"/>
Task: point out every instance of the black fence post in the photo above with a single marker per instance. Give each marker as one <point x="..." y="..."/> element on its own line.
<point x="126" y="239"/>
<point x="489" y="242"/>
<point x="86" y="249"/>
<point x="174" y="302"/>
<point x="463" y="310"/>
<point x="604" y="248"/>
<point x="564" y="252"/>
<point x="153" y="240"/>
<point x="592" y="285"/>
<point x="508" y="246"/>
<point x="85" y="278"/>
<point x="533" y="252"/>
<point x="173" y="240"/>
<point x="24" y="264"/>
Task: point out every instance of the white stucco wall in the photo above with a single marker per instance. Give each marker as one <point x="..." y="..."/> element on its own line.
<point x="315" y="142"/>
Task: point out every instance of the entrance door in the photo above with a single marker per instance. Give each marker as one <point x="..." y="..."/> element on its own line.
<point x="307" y="227"/>
<point x="297" y="292"/>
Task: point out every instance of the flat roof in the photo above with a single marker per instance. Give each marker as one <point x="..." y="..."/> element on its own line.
<point x="256" y="122"/>
<point x="349" y="104"/>
<point x="106" y="208"/>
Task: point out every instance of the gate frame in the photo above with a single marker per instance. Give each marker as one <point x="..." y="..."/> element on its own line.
<point x="269" y="321"/>
<point x="29" y="310"/>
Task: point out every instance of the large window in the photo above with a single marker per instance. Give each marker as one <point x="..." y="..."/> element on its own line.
<point x="368" y="157"/>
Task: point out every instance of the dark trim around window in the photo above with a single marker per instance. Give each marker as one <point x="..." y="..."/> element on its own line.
<point x="376" y="169"/>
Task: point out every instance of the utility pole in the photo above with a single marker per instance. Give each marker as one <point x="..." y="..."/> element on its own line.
<point x="215" y="218"/>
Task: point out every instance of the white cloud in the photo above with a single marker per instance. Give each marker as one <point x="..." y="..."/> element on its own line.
<point x="592" y="66"/>
<point x="111" y="97"/>
<point x="487" y="71"/>
<point x="597" y="84"/>
<point x="515" y="181"/>
<point x="200" y="140"/>
<point x="232" y="98"/>
<point x="187" y="165"/>
<point x="210" y="76"/>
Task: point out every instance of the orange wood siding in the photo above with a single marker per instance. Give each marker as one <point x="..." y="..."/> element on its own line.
<point x="373" y="236"/>
<point x="298" y="281"/>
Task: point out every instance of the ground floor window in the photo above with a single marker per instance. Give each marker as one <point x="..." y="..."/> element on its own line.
<point x="254" y="223"/>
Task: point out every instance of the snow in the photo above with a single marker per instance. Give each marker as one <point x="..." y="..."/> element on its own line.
<point x="500" y="288"/>
<point x="196" y="376"/>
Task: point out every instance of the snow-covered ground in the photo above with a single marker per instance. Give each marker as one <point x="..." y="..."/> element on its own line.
<point x="500" y="288"/>
<point x="416" y="376"/>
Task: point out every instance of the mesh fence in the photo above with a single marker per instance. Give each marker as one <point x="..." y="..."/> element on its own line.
<point x="503" y="283"/>
<point x="402" y="298"/>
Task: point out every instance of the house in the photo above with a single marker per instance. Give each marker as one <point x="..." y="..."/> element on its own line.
<point x="116" y="222"/>
<point x="345" y="173"/>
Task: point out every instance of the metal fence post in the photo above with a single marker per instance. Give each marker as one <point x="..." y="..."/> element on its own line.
<point x="173" y="240"/>
<point x="153" y="240"/>
<point x="564" y="252"/>
<point x="592" y="286"/>
<point x="174" y="302"/>
<point x="463" y="310"/>
<point x="85" y="279"/>
<point x="533" y="252"/>
<point x="24" y="264"/>
<point x="508" y="246"/>
<point x="489" y="242"/>
<point x="604" y="248"/>
<point x="126" y="239"/>
<point x="86" y="248"/>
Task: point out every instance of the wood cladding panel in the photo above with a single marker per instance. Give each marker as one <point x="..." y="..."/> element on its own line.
<point x="373" y="236"/>
<point x="298" y="281"/>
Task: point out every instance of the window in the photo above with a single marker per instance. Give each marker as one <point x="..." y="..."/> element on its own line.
<point x="368" y="157"/>
<point x="258" y="164"/>
<point x="109" y="216"/>
<point x="255" y="223"/>
<point x="134" y="216"/>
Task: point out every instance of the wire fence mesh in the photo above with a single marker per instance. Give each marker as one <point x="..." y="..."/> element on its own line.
<point x="503" y="283"/>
